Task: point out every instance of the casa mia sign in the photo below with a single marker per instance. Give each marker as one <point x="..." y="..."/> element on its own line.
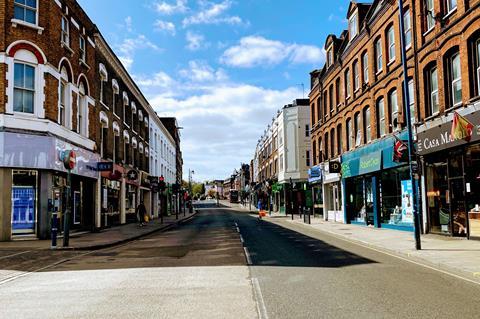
<point x="439" y="138"/>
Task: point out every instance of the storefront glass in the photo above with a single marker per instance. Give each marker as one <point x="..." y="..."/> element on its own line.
<point x="356" y="200"/>
<point x="472" y="167"/>
<point x="24" y="200"/>
<point x="395" y="205"/>
<point x="437" y="197"/>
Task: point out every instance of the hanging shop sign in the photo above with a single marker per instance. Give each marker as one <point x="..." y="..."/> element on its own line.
<point x="132" y="175"/>
<point x="334" y="167"/>
<point x="314" y="174"/>
<point x="69" y="159"/>
<point x="438" y="138"/>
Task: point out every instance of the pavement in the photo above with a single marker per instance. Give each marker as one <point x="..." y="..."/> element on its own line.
<point x="96" y="240"/>
<point x="457" y="256"/>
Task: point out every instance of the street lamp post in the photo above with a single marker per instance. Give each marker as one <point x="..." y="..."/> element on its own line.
<point x="411" y="150"/>
<point x="190" y="174"/>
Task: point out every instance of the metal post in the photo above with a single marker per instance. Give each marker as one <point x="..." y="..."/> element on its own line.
<point x="54" y="230"/>
<point x="66" y="216"/>
<point x="411" y="151"/>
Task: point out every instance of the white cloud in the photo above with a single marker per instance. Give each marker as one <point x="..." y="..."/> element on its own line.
<point x="168" y="8"/>
<point x="195" y="41"/>
<point x="254" y="51"/>
<point x="128" y="24"/>
<point x="200" y="71"/>
<point x="165" y="26"/>
<point x="213" y="13"/>
<point x="222" y="120"/>
<point x="127" y="49"/>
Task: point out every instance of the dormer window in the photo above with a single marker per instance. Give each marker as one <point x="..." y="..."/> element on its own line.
<point x="330" y="56"/>
<point x="353" y="26"/>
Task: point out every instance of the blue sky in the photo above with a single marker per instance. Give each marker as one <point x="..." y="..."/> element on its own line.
<point x="222" y="67"/>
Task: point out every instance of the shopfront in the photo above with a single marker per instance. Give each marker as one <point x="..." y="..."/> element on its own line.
<point x="452" y="176"/>
<point x="145" y="192"/>
<point x="332" y="192"/>
<point x="377" y="190"/>
<point x="111" y="196"/>
<point x="315" y="179"/>
<point x="131" y="196"/>
<point x="35" y="183"/>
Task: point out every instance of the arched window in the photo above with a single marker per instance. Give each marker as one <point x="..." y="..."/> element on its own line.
<point x="454" y="78"/>
<point x="378" y="56"/>
<point x="391" y="43"/>
<point x="393" y="108"/>
<point x="474" y="58"/>
<point x="126" y="142"/>
<point x="25" y="82"/>
<point x="381" y="117"/>
<point x="358" y="130"/>
<point x="116" y="142"/>
<point x="367" y="128"/>
<point x="82" y="110"/>
<point x="63" y="97"/>
<point x="365" y="66"/>
<point x="103" y="78"/>
<point x="339" y="140"/>
<point x="356" y="76"/>
<point x="103" y="135"/>
<point x="116" y="93"/>
<point x="349" y="133"/>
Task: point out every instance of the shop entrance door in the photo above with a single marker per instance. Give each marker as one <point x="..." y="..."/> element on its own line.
<point x="368" y="185"/>
<point x="24" y="195"/>
<point x="458" y="206"/>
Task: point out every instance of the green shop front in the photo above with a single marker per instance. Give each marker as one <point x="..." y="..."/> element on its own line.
<point x="378" y="191"/>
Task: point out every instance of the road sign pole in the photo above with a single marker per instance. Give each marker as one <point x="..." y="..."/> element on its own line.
<point x="66" y="217"/>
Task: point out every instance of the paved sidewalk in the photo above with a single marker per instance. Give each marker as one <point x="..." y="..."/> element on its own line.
<point x="456" y="255"/>
<point x="97" y="240"/>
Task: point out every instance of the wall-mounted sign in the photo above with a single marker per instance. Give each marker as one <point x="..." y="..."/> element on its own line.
<point x="69" y="159"/>
<point x="105" y="166"/>
<point x="334" y="167"/>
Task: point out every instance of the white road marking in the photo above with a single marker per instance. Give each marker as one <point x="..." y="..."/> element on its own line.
<point x="238" y="230"/>
<point x="262" y="310"/>
<point x="236" y="225"/>
<point x="247" y="254"/>
<point x="16" y="254"/>
<point x="241" y="239"/>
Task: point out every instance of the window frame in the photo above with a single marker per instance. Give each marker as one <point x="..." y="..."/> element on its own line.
<point x="449" y="8"/>
<point x="348" y="86"/>
<point x="353" y="25"/>
<point x="453" y="81"/>
<point x="407" y="22"/>
<point x="82" y="50"/>
<point x="367" y="131"/>
<point x="358" y="130"/>
<point x="393" y="112"/>
<point x="23" y="88"/>
<point x="62" y="103"/>
<point x="65" y="37"/>
<point x="381" y="117"/>
<point x="378" y="56"/>
<point x="356" y="76"/>
<point x="26" y="7"/>
<point x="391" y="44"/>
<point x="365" y="67"/>
<point x="429" y="15"/>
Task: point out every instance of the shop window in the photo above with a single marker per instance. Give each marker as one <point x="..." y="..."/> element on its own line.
<point x="358" y="130"/>
<point x="65" y="31"/>
<point x="26" y="10"/>
<point x="307" y="132"/>
<point x="453" y="78"/>
<point x="347" y="84"/>
<point x="429" y="14"/>
<point x="391" y="43"/>
<point x="407" y="21"/>
<point x="365" y="67"/>
<point x="393" y="108"/>
<point x="24" y="88"/>
<point x="381" y="117"/>
<point x="367" y="132"/>
<point x="24" y="206"/>
<point x="396" y="204"/>
<point x="378" y="56"/>
<point x="438" y="197"/>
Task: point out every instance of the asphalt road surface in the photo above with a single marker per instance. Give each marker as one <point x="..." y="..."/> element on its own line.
<point x="200" y="270"/>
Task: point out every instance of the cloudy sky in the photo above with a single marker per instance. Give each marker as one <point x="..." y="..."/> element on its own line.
<point x="222" y="67"/>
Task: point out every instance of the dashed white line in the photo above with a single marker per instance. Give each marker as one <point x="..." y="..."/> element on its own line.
<point x="238" y="230"/>
<point x="236" y="225"/>
<point x="262" y="310"/>
<point x="241" y="239"/>
<point x="247" y="255"/>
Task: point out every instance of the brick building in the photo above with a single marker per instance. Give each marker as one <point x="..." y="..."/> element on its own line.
<point x="64" y="89"/>
<point x="357" y="107"/>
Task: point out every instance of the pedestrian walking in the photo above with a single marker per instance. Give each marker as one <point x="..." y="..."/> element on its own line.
<point x="141" y="211"/>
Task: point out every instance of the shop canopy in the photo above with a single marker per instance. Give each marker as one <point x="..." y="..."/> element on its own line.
<point x="371" y="158"/>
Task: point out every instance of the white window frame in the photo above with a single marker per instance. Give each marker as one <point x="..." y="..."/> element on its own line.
<point x="365" y="67"/>
<point x="391" y="44"/>
<point x="353" y="25"/>
<point x="378" y="55"/>
<point x="407" y="22"/>
<point x="451" y="6"/>
<point x="411" y="104"/>
<point x="457" y="80"/>
<point x="83" y="49"/>
<point x="23" y="88"/>
<point x="356" y="77"/>
<point x="347" y="83"/>
<point x="368" y="125"/>
<point x="381" y="117"/>
<point x="65" y="27"/>
<point x="393" y="97"/>
<point x="434" y="107"/>
<point x="358" y="130"/>
<point x="25" y="8"/>
<point x="62" y="103"/>
<point x="477" y="45"/>
<point x="430" y="14"/>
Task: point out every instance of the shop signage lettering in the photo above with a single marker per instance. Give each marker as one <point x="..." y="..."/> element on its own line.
<point x="132" y="175"/>
<point x="105" y="166"/>
<point x="370" y="163"/>
<point x="334" y="167"/>
<point x="439" y="137"/>
<point x="346" y="172"/>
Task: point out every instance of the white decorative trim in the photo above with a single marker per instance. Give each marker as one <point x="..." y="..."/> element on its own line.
<point x="145" y="121"/>
<point x="115" y="86"/>
<point x="140" y="147"/>
<point x="116" y="128"/>
<point x="103" y="72"/>
<point x="69" y="65"/>
<point x="140" y="115"/>
<point x="58" y="3"/>
<point x="30" y="43"/>
<point x="3" y="58"/>
<point x="126" y="136"/>
<point x="86" y="81"/>
<point x="126" y="100"/>
<point x="134" y="142"/>
<point x="89" y="40"/>
<point x="53" y="72"/>
<point x="103" y="119"/>
<point x="31" y="123"/>
<point x="16" y="22"/>
<point x="75" y="23"/>
<point x="134" y="107"/>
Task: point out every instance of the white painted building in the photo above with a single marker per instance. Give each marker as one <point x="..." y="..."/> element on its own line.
<point x="162" y="151"/>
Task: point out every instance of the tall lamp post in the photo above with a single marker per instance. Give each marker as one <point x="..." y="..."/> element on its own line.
<point x="190" y="174"/>
<point x="411" y="150"/>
